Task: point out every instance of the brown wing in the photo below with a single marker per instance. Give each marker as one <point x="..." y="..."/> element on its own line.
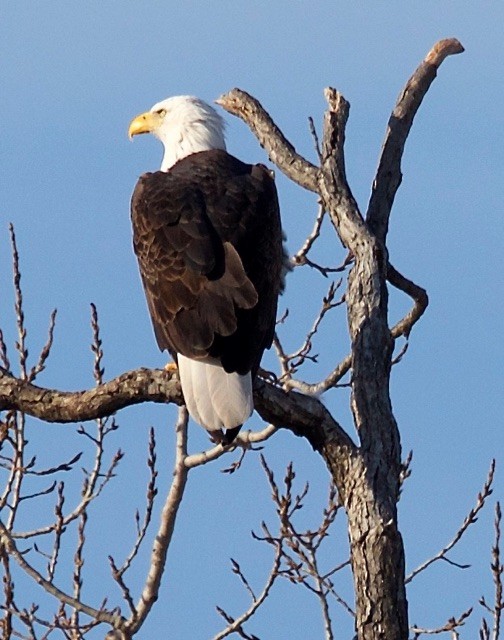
<point x="208" y="241"/>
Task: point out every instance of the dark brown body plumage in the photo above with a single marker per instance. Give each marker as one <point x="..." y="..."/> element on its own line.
<point x="208" y="239"/>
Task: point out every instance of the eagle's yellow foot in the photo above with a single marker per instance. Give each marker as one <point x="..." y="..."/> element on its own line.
<point x="171" y="367"/>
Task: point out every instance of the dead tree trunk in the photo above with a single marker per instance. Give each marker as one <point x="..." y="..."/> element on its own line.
<point x="367" y="476"/>
<point x="370" y="487"/>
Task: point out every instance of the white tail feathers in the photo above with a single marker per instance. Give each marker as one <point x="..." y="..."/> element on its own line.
<point x="215" y="399"/>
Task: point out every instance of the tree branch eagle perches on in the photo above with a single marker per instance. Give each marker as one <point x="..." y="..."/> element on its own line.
<point x="367" y="474"/>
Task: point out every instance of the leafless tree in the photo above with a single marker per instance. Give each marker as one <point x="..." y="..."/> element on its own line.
<point x="366" y="475"/>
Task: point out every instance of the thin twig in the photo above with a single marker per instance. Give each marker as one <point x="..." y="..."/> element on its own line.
<point x="452" y="624"/>
<point x="405" y="469"/>
<point x="290" y="363"/>
<point x="468" y="521"/>
<point x="299" y="549"/>
<point x="96" y="347"/>
<point x="91" y="490"/>
<point x="299" y="257"/>
<point x="18" y="306"/>
<point x="165" y="532"/>
<point x="126" y="593"/>
<point x="63" y="466"/>
<point x="151" y="494"/>
<point x="235" y="624"/>
<point x="8" y="589"/>
<point x="497" y="569"/>
<point x="245" y="439"/>
<point x="98" y="614"/>
<point x="46" y="349"/>
<point x="78" y="564"/>
<point x="4" y="358"/>
<point x="236" y="569"/>
<point x="314" y="135"/>
<point x="58" y="532"/>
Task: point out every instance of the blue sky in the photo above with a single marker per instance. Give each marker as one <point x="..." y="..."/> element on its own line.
<point x="74" y="74"/>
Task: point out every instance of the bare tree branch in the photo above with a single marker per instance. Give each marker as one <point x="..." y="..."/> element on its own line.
<point x="244" y="439"/>
<point x="497" y="569"/>
<point x="292" y="362"/>
<point x="164" y="535"/>
<point x="100" y="615"/>
<point x="18" y="306"/>
<point x="235" y="624"/>
<point x="93" y="485"/>
<point x="468" y="521"/>
<point x="4" y="358"/>
<point x="279" y="149"/>
<point x="58" y="532"/>
<point x="151" y="494"/>
<point x="419" y="295"/>
<point x="452" y="624"/>
<point x="388" y="176"/>
<point x="304" y="416"/>
<point x="299" y="549"/>
<point x="46" y="349"/>
<point x="300" y="258"/>
<point x="130" y="388"/>
<point x="376" y="544"/>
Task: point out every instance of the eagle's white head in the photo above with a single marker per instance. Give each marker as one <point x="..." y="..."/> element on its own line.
<point x="184" y="124"/>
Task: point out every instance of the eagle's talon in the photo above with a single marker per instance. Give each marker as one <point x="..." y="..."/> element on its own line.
<point x="225" y="438"/>
<point x="269" y="376"/>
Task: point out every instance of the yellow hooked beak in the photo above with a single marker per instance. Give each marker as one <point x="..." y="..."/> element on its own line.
<point x="144" y="123"/>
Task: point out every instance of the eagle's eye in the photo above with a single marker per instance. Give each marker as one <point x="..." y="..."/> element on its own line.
<point x="161" y="112"/>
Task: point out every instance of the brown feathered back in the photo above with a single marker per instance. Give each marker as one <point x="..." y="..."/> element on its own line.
<point x="208" y="239"/>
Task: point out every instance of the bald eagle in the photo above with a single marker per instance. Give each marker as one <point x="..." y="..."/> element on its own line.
<point x="207" y="235"/>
